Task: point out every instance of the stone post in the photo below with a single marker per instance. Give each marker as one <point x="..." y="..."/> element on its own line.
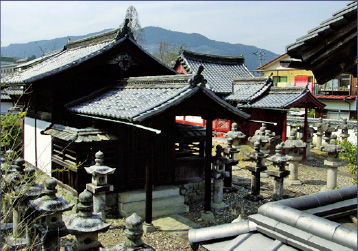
<point x="236" y="137"/>
<point x="295" y="148"/>
<point x="133" y="233"/>
<point x="230" y="152"/>
<point x="332" y="163"/>
<point x="319" y="133"/>
<point x="99" y="185"/>
<point x="257" y="156"/>
<point x="279" y="160"/>
<point x="49" y="208"/>
<point x="218" y="174"/>
<point x="85" y="225"/>
<point x="345" y="127"/>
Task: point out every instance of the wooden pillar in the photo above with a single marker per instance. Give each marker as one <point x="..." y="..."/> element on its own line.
<point x="208" y="147"/>
<point x="284" y="130"/>
<point x="305" y="130"/>
<point x="149" y="184"/>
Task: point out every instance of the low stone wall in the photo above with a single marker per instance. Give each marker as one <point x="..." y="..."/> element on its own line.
<point x="193" y="192"/>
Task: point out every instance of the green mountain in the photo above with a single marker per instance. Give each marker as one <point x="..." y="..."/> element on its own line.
<point x="152" y="37"/>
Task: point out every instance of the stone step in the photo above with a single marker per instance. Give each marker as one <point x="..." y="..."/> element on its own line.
<point x="139" y="195"/>
<point x="157" y="203"/>
<point x="159" y="212"/>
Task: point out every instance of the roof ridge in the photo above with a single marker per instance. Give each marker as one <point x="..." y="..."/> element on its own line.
<point x="95" y="39"/>
<point x="215" y="58"/>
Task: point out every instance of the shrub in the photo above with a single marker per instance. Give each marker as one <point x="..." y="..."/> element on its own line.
<point x="12" y="131"/>
<point x="350" y="155"/>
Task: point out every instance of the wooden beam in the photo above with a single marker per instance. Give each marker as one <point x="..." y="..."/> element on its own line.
<point x="208" y="147"/>
<point x="149" y="183"/>
<point x="305" y="130"/>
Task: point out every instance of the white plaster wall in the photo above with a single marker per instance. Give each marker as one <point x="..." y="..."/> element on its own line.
<point x="29" y="140"/>
<point x="5" y="107"/>
<point x="44" y="147"/>
<point x="336" y="105"/>
<point x="195" y="119"/>
<point x="352" y="137"/>
<point x="43" y="144"/>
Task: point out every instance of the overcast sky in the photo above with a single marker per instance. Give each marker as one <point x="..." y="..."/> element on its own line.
<point x="270" y="25"/>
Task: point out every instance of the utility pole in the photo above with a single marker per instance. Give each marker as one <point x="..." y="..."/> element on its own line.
<point x="260" y="53"/>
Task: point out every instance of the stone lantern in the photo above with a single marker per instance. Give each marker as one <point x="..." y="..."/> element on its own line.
<point x="49" y="208"/>
<point x="99" y="185"/>
<point x="236" y="137"/>
<point x="219" y="173"/>
<point x="295" y="148"/>
<point x="319" y="133"/>
<point x="133" y="233"/>
<point x="310" y="131"/>
<point x="332" y="162"/>
<point x="230" y="152"/>
<point x="328" y="129"/>
<point x="85" y="225"/>
<point x="279" y="160"/>
<point x="345" y="127"/>
<point x="256" y="156"/>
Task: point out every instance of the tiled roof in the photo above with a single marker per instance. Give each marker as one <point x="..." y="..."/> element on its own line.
<point x="138" y="98"/>
<point x="246" y="89"/>
<point x="14" y="91"/>
<point x="302" y="223"/>
<point x="279" y="97"/>
<point x="78" y="135"/>
<point x="73" y="54"/>
<point x="332" y="43"/>
<point x="5" y="97"/>
<point x="220" y="71"/>
<point x="59" y="62"/>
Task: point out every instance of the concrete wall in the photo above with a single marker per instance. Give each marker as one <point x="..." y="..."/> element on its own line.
<point x="5" y="107"/>
<point x="43" y="149"/>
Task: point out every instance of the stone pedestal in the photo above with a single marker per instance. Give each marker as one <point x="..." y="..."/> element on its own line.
<point x="49" y="226"/>
<point x="218" y="175"/>
<point x="255" y="173"/>
<point x="85" y="225"/>
<point x="294" y="149"/>
<point x="279" y="160"/>
<point x="230" y="153"/>
<point x="99" y="185"/>
<point x="207" y="216"/>
<point x="332" y="163"/>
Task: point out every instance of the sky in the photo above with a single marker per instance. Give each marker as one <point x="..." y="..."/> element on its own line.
<point x="270" y="25"/>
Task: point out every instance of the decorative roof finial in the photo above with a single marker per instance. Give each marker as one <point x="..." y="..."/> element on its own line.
<point x="198" y="78"/>
<point x="125" y="31"/>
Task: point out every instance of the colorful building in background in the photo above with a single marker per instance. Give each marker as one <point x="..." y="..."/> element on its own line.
<point x="339" y="94"/>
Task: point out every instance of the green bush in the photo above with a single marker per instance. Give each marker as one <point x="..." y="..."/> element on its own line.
<point x="350" y="155"/>
<point x="12" y="131"/>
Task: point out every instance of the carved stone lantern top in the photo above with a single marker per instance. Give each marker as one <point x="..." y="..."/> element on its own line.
<point x="85" y="221"/>
<point x="234" y="133"/>
<point x="257" y="155"/>
<point x="218" y="159"/>
<point x="332" y="147"/>
<point x="99" y="169"/>
<point x="293" y="143"/>
<point x="279" y="158"/>
<point x="50" y="203"/>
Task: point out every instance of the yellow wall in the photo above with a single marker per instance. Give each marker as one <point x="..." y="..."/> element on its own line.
<point x="290" y="74"/>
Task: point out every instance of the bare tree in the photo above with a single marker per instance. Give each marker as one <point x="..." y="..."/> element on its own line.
<point x="134" y="24"/>
<point x="168" y="52"/>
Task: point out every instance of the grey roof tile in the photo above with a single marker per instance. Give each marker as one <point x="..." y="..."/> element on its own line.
<point x="220" y="71"/>
<point x="138" y="98"/>
<point x="246" y="89"/>
<point x="5" y="97"/>
<point x="67" y="133"/>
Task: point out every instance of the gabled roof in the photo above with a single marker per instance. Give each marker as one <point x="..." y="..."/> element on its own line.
<point x="74" y="54"/>
<point x="246" y="89"/>
<point x="302" y="223"/>
<point x="138" y="98"/>
<point x="331" y="48"/>
<point x="220" y="70"/>
<point x="259" y="93"/>
<point x="285" y="98"/>
<point x="262" y="68"/>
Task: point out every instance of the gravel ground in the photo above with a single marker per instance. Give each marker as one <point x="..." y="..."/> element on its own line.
<point x="312" y="173"/>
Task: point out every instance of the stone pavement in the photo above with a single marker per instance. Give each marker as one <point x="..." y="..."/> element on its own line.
<point x="175" y="224"/>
